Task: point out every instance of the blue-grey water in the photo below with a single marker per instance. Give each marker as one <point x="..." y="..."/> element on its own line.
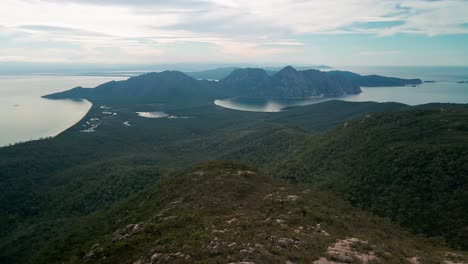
<point x="446" y="89"/>
<point x="24" y="115"/>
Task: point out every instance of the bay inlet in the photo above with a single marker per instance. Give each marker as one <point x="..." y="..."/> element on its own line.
<point x="25" y="116"/>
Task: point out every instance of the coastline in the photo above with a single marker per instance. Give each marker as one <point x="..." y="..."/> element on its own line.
<point x="90" y="105"/>
<point x="54" y="131"/>
<point x="26" y="116"/>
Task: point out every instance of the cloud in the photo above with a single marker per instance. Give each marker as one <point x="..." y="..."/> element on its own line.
<point x="280" y="17"/>
<point x="135" y="2"/>
<point x="230" y="28"/>
<point x="58" y="30"/>
<point x="266" y="17"/>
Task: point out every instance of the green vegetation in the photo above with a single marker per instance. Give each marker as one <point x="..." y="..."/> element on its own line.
<point x="60" y="195"/>
<point x="408" y="165"/>
<point x="46" y="185"/>
<point x="220" y="211"/>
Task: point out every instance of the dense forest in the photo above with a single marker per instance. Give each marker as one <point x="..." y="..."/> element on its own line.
<point x="221" y="211"/>
<point x="50" y="187"/>
<point x="410" y="166"/>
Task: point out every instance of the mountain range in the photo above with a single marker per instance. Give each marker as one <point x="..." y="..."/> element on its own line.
<point x="170" y="86"/>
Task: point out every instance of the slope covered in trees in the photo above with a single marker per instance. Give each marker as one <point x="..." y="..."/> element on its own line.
<point x="411" y="166"/>
<point x="47" y="186"/>
<point x="224" y="212"/>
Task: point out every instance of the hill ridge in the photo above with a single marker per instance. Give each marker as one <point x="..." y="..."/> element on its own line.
<point x="228" y="212"/>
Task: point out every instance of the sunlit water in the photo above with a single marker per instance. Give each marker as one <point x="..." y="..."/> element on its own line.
<point x="152" y="114"/>
<point x="159" y="115"/>
<point x="24" y="115"/>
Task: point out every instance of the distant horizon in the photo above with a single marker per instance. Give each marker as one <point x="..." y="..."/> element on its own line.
<point x="44" y="68"/>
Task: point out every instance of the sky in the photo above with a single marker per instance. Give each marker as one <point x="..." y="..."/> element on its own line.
<point x="300" y="32"/>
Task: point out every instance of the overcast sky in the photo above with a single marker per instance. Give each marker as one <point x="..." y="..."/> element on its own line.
<point x="345" y="32"/>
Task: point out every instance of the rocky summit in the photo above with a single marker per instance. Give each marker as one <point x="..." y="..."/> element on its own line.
<point x="221" y="212"/>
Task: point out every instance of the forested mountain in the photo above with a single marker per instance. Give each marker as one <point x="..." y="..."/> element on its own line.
<point x="163" y="87"/>
<point x="288" y="83"/>
<point x="179" y="88"/>
<point x="224" y="212"/>
<point x="411" y="166"/>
